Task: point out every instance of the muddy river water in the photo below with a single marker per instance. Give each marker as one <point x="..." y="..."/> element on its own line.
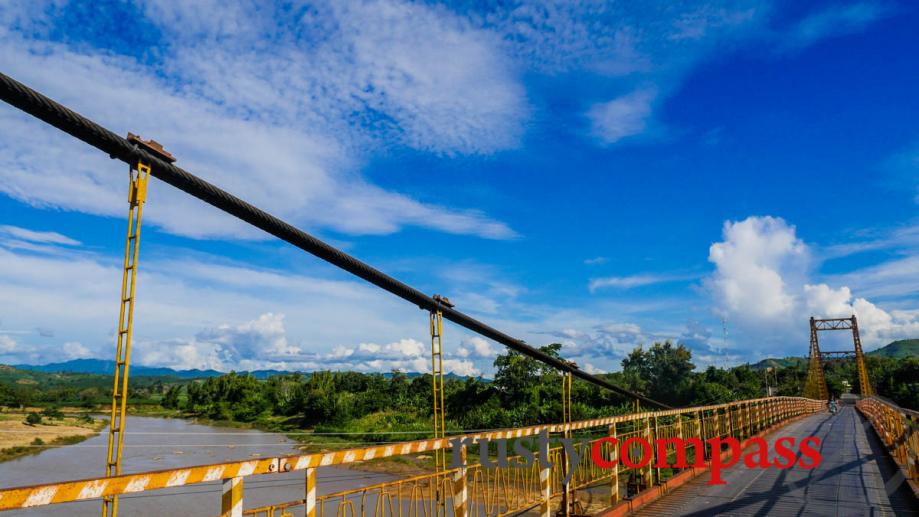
<point x="164" y="443"/>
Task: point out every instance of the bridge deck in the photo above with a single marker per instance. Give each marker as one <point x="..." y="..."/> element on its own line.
<point x="856" y="477"/>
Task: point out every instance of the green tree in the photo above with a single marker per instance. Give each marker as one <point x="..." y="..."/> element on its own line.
<point x="171" y="398"/>
<point x="661" y="373"/>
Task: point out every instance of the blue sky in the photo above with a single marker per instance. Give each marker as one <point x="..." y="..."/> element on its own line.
<point x="599" y="175"/>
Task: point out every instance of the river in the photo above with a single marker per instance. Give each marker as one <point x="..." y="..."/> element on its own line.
<point x="164" y="443"/>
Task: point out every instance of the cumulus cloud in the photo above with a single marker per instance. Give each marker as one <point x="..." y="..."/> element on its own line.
<point x="476" y="347"/>
<point x="209" y="313"/>
<point x="763" y="283"/>
<point x="259" y="343"/>
<point x="256" y="345"/>
<point x="754" y="264"/>
<point x="875" y="324"/>
<point x="602" y="346"/>
<point x="75" y="350"/>
<point x="180" y="297"/>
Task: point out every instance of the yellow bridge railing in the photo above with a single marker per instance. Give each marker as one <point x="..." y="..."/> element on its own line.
<point x="477" y="491"/>
<point x="472" y="490"/>
<point x="898" y="428"/>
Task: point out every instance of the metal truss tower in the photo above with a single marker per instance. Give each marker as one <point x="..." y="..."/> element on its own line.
<point x="815" y="386"/>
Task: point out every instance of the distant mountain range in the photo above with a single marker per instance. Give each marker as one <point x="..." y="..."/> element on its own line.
<point x="103" y="367"/>
<point x="896" y="350"/>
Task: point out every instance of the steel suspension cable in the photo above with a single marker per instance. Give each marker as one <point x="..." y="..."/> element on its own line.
<point x="34" y="103"/>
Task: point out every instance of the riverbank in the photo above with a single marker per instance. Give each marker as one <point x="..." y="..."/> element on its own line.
<point x="307" y="440"/>
<point x="19" y="438"/>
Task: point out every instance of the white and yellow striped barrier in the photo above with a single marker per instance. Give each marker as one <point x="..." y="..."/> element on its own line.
<point x="773" y="409"/>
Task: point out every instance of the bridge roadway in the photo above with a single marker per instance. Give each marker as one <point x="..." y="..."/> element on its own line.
<point x="855" y="478"/>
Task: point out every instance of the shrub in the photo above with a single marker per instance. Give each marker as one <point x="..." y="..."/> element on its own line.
<point x="53" y="413"/>
<point x="33" y="419"/>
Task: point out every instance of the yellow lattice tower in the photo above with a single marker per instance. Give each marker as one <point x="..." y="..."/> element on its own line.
<point x="815" y="384"/>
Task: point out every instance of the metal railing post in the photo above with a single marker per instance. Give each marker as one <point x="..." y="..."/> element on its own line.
<point x="231" y="504"/>
<point x="310" y="500"/>
<point x="657" y="471"/>
<point x="646" y="477"/>
<point x="545" y="482"/>
<point x="614" y="452"/>
<point x="460" y="492"/>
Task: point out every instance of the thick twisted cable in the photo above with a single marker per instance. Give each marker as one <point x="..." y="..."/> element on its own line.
<point x="28" y="100"/>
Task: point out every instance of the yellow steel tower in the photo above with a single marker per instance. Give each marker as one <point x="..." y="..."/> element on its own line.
<point x="137" y="193"/>
<point x="815" y="386"/>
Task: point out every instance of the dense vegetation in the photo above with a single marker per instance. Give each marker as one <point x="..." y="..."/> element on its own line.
<point x="523" y="392"/>
<point x="35" y="388"/>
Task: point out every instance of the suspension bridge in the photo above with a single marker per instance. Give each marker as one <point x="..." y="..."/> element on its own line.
<point x="871" y="450"/>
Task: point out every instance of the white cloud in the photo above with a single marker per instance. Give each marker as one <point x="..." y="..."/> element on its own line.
<point x="754" y="262"/>
<point x="596" y="261"/>
<point x="180" y="297"/>
<point x="477" y="288"/>
<point x="7" y="344"/>
<point x="902" y="238"/>
<point x="476" y="347"/>
<point x="255" y="344"/>
<point x="209" y="313"/>
<point x="593" y="370"/>
<point x="602" y="346"/>
<point x="628" y="282"/>
<point x="287" y="126"/>
<point x="648" y="49"/>
<point x="263" y="344"/>
<point x="894" y="279"/>
<point x="403" y="70"/>
<point x="876" y="326"/>
<point x="37" y="237"/>
<point x="763" y="285"/>
<point x="622" y="117"/>
<point x="75" y="350"/>
<point x="264" y="337"/>
<point x="833" y="21"/>
<point x="614" y="39"/>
